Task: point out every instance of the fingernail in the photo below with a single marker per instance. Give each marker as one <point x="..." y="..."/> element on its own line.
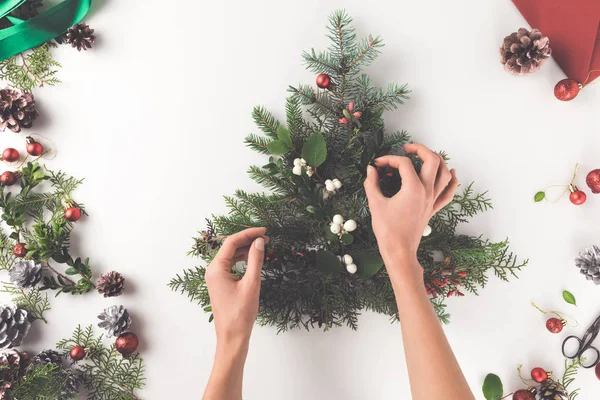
<point x="259" y="244"/>
<point x="369" y="169"/>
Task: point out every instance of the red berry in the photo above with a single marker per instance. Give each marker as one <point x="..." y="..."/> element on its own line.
<point x="8" y="178"/>
<point x="10" y="154"/>
<point x="357" y="114"/>
<point x="539" y="375"/>
<point x="351" y="106"/>
<point x="34" y="148"/>
<point x="462" y="273"/>
<point x="555" y="325"/>
<point x="77" y="353"/>
<point x="72" y="214"/>
<point x="343" y="120"/>
<point x="323" y="81"/>
<point x="19" y="250"/>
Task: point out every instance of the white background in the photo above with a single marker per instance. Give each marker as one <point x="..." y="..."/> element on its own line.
<point x="154" y="118"/>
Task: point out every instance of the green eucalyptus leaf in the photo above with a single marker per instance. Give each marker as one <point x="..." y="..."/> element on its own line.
<point x="368" y="264"/>
<point x="71" y="271"/>
<point x="492" y="387"/>
<point x="328" y="262"/>
<point x="278" y="148"/>
<point x="314" y="150"/>
<point x="347" y="239"/>
<point x="539" y="196"/>
<point x="284" y="135"/>
<point x="569" y="298"/>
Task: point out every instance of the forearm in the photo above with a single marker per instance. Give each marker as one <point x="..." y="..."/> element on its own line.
<point x="428" y="353"/>
<point x="225" y="382"/>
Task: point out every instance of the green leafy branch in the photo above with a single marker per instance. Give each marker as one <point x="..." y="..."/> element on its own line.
<point x="30" y="69"/>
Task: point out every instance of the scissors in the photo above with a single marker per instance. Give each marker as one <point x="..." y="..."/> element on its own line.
<point x="584" y="344"/>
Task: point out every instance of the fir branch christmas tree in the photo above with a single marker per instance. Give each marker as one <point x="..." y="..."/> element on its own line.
<point x="322" y="266"/>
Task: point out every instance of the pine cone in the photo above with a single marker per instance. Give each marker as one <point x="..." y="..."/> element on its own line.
<point x="588" y="263"/>
<point x="14" y="325"/>
<point x="10" y="363"/>
<point x="524" y="52"/>
<point x="17" y="109"/>
<point x="48" y="357"/>
<point x="27" y="10"/>
<point x="115" y="320"/>
<point x="110" y="284"/>
<point x="81" y="36"/>
<point x="71" y="384"/>
<point x="25" y="274"/>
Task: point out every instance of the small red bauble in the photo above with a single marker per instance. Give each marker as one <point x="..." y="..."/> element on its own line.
<point x="539" y="375"/>
<point x="8" y="178"/>
<point x="567" y="89"/>
<point x="323" y="81"/>
<point x="34" y="148"/>
<point x="555" y="325"/>
<point x="525" y="394"/>
<point x="598" y="371"/>
<point x="10" y="154"/>
<point x="72" y="214"/>
<point x="127" y="343"/>
<point x="77" y="353"/>
<point x="19" y="250"/>
<point x="593" y="180"/>
<point x="577" y="197"/>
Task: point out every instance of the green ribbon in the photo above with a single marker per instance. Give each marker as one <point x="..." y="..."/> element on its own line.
<point x="25" y="35"/>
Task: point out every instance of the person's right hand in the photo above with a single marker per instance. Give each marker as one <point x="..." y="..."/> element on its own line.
<point x="399" y="221"/>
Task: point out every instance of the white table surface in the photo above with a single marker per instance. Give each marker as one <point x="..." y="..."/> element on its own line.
<point x="154" y="118"/>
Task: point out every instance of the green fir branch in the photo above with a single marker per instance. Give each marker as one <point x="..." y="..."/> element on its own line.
<point x="30" y="69"/>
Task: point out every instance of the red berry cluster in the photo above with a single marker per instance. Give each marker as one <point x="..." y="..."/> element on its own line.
<point x="445" y="282"/>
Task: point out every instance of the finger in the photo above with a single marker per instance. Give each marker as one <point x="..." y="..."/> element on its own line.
<point x="430" y="166"/>
<point x="447" y="195"/>
<point x="256" y="256"/>
<point x="443" y="177"/>
<point x="226" y="253"/>
<point x="372" y="189"/>
<point x="404" y="166"/>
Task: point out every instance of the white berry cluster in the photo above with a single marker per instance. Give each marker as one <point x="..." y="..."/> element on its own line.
<point x="427" y="231"/>
<point x="349" y="263"/>
<point x="300" y="163"/>
<point x="339" y="227"/>
<point x="331" y="187"/>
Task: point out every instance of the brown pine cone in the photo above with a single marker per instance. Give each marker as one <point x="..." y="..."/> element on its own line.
<point x="81" y="36"/>
<point x="110" y="284"/>
<point x="17" y="109"/>
<point x="524" y="52"/>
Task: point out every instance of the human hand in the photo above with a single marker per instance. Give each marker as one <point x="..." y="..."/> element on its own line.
<point x="399" y="221"/>
<point x="234" y="301"/>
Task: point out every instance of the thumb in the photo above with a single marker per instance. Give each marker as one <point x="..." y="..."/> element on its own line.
<point x="372" y="186"/>
<point x="256" y="255"/>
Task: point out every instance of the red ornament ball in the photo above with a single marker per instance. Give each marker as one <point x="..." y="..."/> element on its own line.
<point x="8" y="178"/>
<point x="10" y="155"/>
<point x="567" y="89"/>
<point x="72" y="214"/>
<point x="525" y="394"/>
<point x="77" y="353"/>
<point x="577" y="197"/>
<point x="323" y="81"/>
<point x="593" y="180"/>
<point x="539" y="375"/>
<point x="34" y="148"/>
<point x="19" y="250"/>
<point x="127" y="343"/>
<point x="598" y="370"/>
<point x="555" y="325"/>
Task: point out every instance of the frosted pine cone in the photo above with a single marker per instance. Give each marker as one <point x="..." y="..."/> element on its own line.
<point x="48" y="357"/>
<point x="71" y="384"/>
<point x="17" y="109"/>
<point x="115" y="320"/>
<point x="588" y="263"/>
<point x="81" y="36"/>
<point x="14" y="325"/>
<point x="110" y="284"/>
<point x="524" y="52"/>
<point x="25" y="274"/>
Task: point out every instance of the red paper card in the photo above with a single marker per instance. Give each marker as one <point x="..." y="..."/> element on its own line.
<point x="573" y="27"/>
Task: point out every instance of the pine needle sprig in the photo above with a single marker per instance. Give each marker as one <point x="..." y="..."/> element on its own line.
<point x="570" y="375"/>
<point x="31" y="300"/>
<point x="31" y="69"/>
<point x="193" y="285"/>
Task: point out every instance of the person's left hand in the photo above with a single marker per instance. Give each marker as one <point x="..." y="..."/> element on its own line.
<point x="235" y="301"/>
